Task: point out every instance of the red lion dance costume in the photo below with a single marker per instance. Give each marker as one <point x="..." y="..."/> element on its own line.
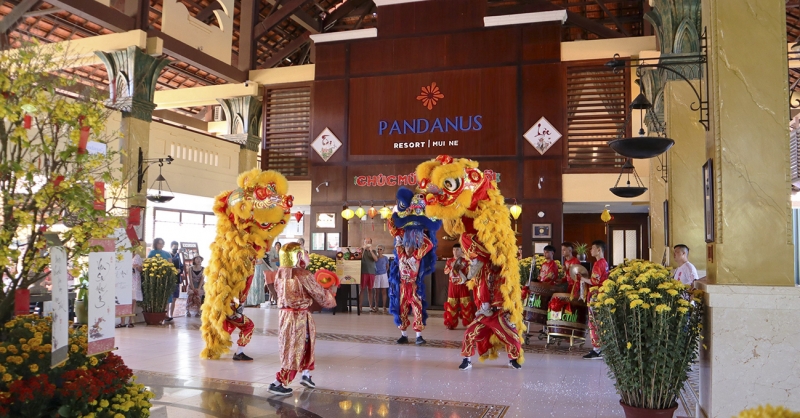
<point x="460" y="193"/>
<point x="459" y="302"/>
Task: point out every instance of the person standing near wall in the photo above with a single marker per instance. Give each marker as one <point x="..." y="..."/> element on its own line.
<point x="381" y="281"/>
<point x="368" y="257"/>
<point x="599" y="275"/>
<point x="686" y="273"/>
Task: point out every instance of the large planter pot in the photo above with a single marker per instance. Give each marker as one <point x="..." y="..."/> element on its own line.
<point x="633" y="412"/>
<point x="154" y="318"/>
<point x="82" y="311"/>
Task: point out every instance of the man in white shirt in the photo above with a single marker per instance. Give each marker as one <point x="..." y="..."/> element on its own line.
<point x="685" y="273"/>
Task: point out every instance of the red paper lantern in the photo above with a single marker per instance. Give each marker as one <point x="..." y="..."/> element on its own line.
<point x="99" y="195"/>
<point x="372" y="212"/>
<point x="27" y="121"/>
<point x="134" y="215"/>
<point x="298" y="215"/>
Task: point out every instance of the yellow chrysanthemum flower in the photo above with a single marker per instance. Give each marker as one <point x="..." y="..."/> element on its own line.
<point x="646" y="305"/>
<point x="672" y="292"/>
<point x="629" y="345"/>
<point x="633" y="296"/>
<point x="644" y="290"/>
<point x="662" y="308"/>
<point x="609" y="301"/>
<point x="682" y="310"/>
<point x="637" y="302"/>
<point x="683" y="302"/>
<point x="768" y="411"/>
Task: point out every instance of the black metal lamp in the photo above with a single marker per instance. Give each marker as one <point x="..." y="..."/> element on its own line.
<point x="162" y="196"/>
<point x="641" y="146"/>
<point x="628" y="191"/>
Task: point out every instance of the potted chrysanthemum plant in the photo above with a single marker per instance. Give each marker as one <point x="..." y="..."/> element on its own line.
<point x="649" y="329"/>
<point x="158" y="282"/>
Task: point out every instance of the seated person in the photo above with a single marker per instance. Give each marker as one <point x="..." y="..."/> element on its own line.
<point x="549" y="271"/>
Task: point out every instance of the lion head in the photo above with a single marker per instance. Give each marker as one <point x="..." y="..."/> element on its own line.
<point x="452" y="186"/>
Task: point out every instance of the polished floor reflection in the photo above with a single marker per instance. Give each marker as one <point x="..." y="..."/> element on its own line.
<point x="186" y="397"/>
<point x="361" y="372"/>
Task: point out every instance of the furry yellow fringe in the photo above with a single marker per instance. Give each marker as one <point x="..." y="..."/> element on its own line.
<point x="232" y="255"/>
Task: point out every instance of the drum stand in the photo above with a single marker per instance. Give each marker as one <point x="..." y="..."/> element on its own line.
<point x="557" y="337"/>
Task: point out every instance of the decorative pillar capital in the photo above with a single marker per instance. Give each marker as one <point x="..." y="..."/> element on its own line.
<point x="242" y="116"/>
<point x="133" y="76"/>
<point x="678" y="26"/>
<point x="246" y="141"/>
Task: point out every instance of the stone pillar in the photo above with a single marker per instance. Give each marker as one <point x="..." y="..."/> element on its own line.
<point x="132" y="82"/>
<point x="750" y="327"/>
<point x="243" y="119"/>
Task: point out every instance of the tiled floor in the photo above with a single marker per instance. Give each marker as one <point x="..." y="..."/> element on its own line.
<point x="356" y="361"/>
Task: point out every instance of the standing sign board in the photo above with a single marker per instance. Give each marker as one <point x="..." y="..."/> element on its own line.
<point x="59" y="308"/>
<point x="123" y="269"/>
<point x="101" y="302"/>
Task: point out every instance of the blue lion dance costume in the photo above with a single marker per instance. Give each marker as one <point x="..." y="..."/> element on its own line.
<point x="415" y="258"/>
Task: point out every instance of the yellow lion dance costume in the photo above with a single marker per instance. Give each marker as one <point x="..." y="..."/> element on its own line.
<point x="470" y="204"/>
<point x="249" y="218"/>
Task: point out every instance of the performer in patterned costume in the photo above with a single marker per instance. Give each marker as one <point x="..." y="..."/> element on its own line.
<point x="459" y="302"/>
<point x="573" y="287"/>
<point x="457" y="190"/>
<point x="415" y="253"/>
<point x="297" y="290"/>
<point x="248" y="220"/>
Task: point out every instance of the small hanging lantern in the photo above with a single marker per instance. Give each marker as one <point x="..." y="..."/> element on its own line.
<point x="372" y="212"/>
<point x="160" y="197"/>
<point x="385" y="212"/>
<point x="347" y="213"/>
<point x="628" y="191"/>
<point x="605" y="217"/>
<point x="27" y="119"/>
<point x="515" y="210"/>
<point x="298" y="216"/>
<point x="360" y="212"/>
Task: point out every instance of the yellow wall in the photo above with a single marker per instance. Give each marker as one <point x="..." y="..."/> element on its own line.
<point x="606" y="48"/>
<point x="283" y="75"/>
<point x="203" y="166"/>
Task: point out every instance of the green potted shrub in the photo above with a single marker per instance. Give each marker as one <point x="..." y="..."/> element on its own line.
<point x="649" y="329"/>
<point x="581" y="250"/>
<point x="158" y="281"/>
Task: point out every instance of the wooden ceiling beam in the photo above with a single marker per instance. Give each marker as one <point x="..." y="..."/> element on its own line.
<point x="287" y="50"/>
<point x="613" y="17"/>
<point x="199" y="59"/>
<point x="343" y="11"/>
<point x="97" y="13"/>
<point x="278" y="16"/>
<point x="592" y="26"/>
<point x="208" y="11"/>
<point x="302" y="18"/>
<point x="17" y="14"/>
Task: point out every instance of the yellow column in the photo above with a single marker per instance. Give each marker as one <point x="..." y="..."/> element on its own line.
<point x="749" y="142"/>
<point x="751" y="313"/>
<point x="684" y="162"/>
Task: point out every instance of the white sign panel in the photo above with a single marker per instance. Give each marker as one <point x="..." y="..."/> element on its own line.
<point x="101" y="302"/>
<point x="123" y="265"/>
<point x="542" y="135"/>
<point x="59" y="306"/>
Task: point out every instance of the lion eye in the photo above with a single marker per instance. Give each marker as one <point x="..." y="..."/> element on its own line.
<point x="452" y="184"/>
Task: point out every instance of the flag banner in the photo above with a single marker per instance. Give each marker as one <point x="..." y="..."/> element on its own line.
<point x="101" y="302"/>
<point x="59" y="306"/>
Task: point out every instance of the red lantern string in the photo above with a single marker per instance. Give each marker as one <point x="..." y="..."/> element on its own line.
<point x="27" y="121"/>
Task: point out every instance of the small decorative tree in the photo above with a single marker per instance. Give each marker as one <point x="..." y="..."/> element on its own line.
<point x="158" y="282"/>
<point x="47" y="177"/>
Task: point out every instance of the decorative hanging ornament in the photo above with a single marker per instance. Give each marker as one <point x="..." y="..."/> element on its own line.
<point x="360" y="212"/>
<point x="347" y="213"/>
<point x="385" y="212"/>
<point x="372" y="212"/>
<point x="298" y="216"/>
<point x="27" y="119"/>
<point x="605" y="216"/>
<point x="84" y="138"/>
<point x="515" y="210"/>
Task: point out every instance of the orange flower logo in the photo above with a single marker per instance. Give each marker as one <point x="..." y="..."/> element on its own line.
<point x="430" y="95"/>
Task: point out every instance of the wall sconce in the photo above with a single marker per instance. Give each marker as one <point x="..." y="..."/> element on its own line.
<point x="325" y="183"/>
<point x="541" y="180"/>
<point x="145" y="164"/>
<point x="515" y="210"/>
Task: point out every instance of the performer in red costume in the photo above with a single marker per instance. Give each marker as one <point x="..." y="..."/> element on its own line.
<point x="599" y="275"/>
<point x="459" y="303"/>
<point x="238" y="320"/>
<point x="549" y="271"/>
<point x="297" y="290"/>
<point x="408" y="265"/>
<point x="491" y="320"/>
<point x="573" y="287"/>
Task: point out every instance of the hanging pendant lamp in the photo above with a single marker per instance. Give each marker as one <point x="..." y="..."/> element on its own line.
<point x="161" y="196"/>
<point x="642" y="146"/>
<point x="628" y="191"/>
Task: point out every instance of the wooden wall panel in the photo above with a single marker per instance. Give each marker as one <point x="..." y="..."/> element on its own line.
<point x="371" y="56"/>
<point x="336" y="176"/>
<point x="549" y="170"/>
<point x="419" y="54"/>
<point x="542" y="42"/>
<point x="489" y="47"/>
<point x="431" y="17"/>
<point x="329" y="99"/>
<point x="330" y="60"/>
<point x="489" y="93"/>
<point x="552" y="215"/>
<point x="543" y="95"/>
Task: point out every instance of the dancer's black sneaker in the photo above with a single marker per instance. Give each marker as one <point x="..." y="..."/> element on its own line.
<point x="514" y="364"/>
<point x="307" y="382"/>
<point x="594" y="355"/>
<point x="465" y="364"/>
<point x="402" y="340"/>
<point x="420" y="340"/>
<point x="241" y="357"/>
<point x="279" y="390"/>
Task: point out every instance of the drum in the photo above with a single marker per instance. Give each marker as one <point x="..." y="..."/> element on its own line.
<point x="536" y="305"/>
<point x="567" y="316"/>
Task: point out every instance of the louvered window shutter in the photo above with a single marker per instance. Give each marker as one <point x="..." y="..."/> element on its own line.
<point x="287" y="122"/>
<point x="597" y="102"/>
